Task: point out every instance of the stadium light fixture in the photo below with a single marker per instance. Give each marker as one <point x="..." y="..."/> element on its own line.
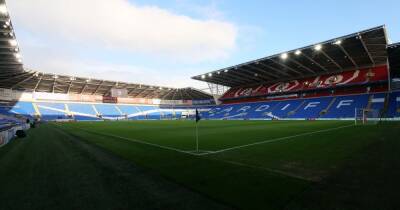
<point x="210" y="74"/>
<point x="318" y="47"/>
<point x="13" y="42"/>
<point x="3" y="9"/>
<point x="284" y="56"/>
<point x="338" y="42"/>
<point x="203" y="76"/>
<point x="298" y="52"/>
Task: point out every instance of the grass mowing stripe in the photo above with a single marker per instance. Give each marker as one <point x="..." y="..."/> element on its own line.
<point x="140" y="142"/>
<point x="269" y="170"/>
<point x="275" y="140"/>
<point x="200" y="153"/>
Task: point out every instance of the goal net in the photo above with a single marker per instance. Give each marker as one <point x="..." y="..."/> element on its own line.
<point x="366" y="116"/>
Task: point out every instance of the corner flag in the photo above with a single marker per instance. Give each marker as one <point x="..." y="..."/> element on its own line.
<point x="198" y="118"/>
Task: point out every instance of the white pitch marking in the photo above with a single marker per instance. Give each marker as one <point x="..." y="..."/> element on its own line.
<point x="143" y="142"/>
<point x="275" y="140"/>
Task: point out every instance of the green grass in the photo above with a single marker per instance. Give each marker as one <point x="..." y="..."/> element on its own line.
<point x="285" y="173"/>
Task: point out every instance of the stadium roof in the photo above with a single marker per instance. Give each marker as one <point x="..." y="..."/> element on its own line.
<point x="362" y="49"/>
<point x="52" y="83"/>
<point x="10" y="59"/>
<point x="13" y="75"/>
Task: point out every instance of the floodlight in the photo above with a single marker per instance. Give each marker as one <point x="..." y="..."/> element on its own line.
<point x="284" y="56"/>
<point x="203" y="76"/>
<point x="298" y="52"/>
<point x="13" y="42"/>
<point x="3" y="9"/>
<point x="338" y="42"/>
<point x="210" y="74"/>
<point x="318" y="47"/>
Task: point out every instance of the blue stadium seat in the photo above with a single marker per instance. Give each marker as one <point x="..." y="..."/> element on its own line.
<point x="82" y="109"/>
<point x="344" y="106"/>
<point x="107" y="110"/>
<point x="52" y="111"/>
<point x="394" y="105"/>
<point x="312" y="108"/>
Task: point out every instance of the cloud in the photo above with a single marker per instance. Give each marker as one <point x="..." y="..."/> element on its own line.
<point x="64" y="64"/>
<point x="121" y="25"/>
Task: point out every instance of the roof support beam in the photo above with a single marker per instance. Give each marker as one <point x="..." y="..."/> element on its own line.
<point x="366" y="49"/>
<point x="229" y="76"/>
<point x="230" y="82"/>
<point x="69" y="87"/>
<point x="301" y="65"/>
<point x="243" y="68"/>
<point x="140" y="93"/>
<point x="83" y="88"/>
<point x="22" y="81"/>
<point x="54" y="85"/>
<point x="98" y="87"/>
<point x="331" y="60"/>
<point x="347" y="55"/>
<point x="13" y="77"/>
<point x="173" y="96"/>
<point x="270" y="76"/>
<point x="167" y="94"/>
<point x="285" y="66"/>
<point x="37" y="84"/>
<point x="274" y="69"/>
<point x="261" y="76"/>
<point x="315" y="62"/>
<point x="243" y="76"/>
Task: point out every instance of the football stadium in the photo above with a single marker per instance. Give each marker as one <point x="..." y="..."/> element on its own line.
<point x="309" y="128"/>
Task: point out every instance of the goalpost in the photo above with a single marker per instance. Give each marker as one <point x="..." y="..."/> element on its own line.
<point x="366" y="116"/>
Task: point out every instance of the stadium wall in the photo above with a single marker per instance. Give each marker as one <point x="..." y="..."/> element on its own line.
<point x="7" y="134"/>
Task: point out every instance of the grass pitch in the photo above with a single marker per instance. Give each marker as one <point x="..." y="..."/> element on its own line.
<point x="241" y="164"/>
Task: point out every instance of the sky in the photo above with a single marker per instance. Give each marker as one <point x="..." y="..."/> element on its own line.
<point x="166" y="42"/>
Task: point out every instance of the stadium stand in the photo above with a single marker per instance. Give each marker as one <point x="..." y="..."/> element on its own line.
<point x="328" y="80"/>
<point x="394" y="105"/>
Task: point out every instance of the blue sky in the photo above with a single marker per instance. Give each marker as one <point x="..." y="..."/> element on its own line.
<point x="164" y="42"/>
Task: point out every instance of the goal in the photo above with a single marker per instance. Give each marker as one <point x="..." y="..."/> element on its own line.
<point x="366" y="116"/>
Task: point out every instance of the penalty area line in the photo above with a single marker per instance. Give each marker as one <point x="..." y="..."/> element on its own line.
<point x="276" y="139"/>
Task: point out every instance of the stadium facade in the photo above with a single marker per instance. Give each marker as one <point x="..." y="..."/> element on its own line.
<point x="327" y="80"/>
